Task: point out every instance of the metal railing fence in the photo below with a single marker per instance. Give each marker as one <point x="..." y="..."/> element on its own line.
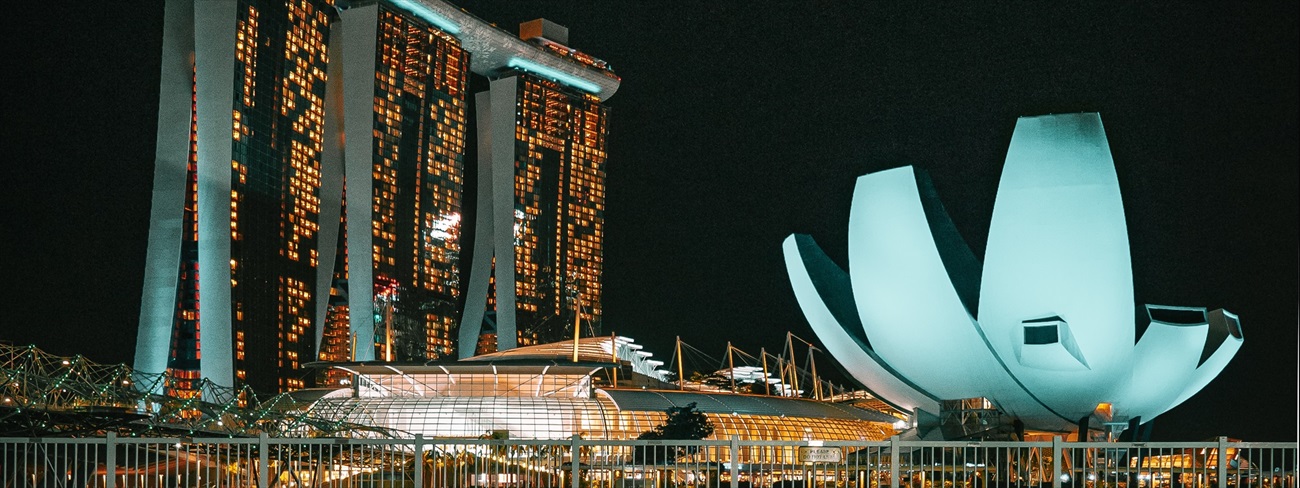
<point x="265" y="462"/>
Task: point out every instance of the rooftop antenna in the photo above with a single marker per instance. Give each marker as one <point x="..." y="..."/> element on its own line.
<point x="767" y="387"/>
<point x="817" y="385"/>
<point x="731" y="368"/>
<point x="681" y="378"/>
<point x="794" y="373"/>
<point x="613" y="355"/>
<point x="780" y="368"/>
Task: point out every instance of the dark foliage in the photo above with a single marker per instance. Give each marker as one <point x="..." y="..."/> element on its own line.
<point x="683" y="423"/>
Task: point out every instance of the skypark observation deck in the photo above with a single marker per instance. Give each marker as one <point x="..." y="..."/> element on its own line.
<point x="494" y="50"/>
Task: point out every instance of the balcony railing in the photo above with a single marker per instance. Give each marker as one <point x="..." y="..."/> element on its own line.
<point x="265" y="462"/>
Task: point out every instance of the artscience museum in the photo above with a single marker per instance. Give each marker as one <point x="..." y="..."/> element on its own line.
<point x="1039" y="335"/>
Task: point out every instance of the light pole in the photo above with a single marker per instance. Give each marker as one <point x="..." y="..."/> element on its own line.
<point x="577" y="315"/>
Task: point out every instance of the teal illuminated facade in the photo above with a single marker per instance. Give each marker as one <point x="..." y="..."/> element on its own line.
<point x="232" y="252"/>
<point x="1042" y="331"/>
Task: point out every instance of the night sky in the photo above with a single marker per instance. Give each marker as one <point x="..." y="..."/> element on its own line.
<point x="739" y="123"/>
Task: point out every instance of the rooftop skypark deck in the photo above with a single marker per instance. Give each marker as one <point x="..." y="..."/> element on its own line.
<point x="494" y="50"/>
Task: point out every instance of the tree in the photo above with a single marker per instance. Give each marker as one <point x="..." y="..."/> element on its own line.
<point x="683" y="423"/>
<point x="716" y="379"/>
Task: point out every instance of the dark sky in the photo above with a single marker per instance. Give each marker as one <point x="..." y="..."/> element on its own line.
<point x="739" y="123"/>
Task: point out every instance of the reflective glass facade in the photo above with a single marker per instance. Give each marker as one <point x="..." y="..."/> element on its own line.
<point x="280" y="61"/>
<point x="416" y="187"/>
<point x="522" y="400"/>
<point x="336" y="342"/>
<point x="595" y="418"/>
<point x="274" y="138"/>
<point x="248" y="277"/>
<point x="183" y="362"/>
<point x="559" y="208"/>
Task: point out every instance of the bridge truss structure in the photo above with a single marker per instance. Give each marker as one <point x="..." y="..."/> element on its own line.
<point x="45" y="395"/>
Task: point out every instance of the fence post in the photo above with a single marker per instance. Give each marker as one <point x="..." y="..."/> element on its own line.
<point x="735" y="461"/>
<point x="1223" y="462"/>
<point x="263" y="459"/>
<point x="419" y="460"/>
<point x="894" y="459"/>
<point x="575" y="452"/>
<point x="1058" y="455"/>
<point x="110" y="459"/>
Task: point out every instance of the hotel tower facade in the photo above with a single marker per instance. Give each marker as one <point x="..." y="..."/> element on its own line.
<point x="309" y="180"/>
<point x="541" y="201"/>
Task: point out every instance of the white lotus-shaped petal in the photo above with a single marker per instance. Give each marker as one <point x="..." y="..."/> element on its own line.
<point x="1044" y="329"/>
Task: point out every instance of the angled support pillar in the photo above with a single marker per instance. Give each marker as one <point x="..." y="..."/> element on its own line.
<point x="331" y="182"/>
<point x="480" y="272"/>
<point x="166" y="213"/>
<point x="494" y="236"/>
<point x="214" y="61"/>
<point x="503" y="206"/>
<point x="358" y="27"/>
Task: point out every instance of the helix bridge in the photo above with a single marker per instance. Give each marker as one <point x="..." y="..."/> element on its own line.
<point x="45" y="395"/>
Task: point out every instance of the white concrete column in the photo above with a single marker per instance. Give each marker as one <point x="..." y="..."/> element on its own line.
<point x="214" y="54"/>
<point x="359" y="28"/>
<point x="166" y="215"/>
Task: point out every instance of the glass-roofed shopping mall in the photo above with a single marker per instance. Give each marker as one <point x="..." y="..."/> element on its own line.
<point x="538" y="392"/>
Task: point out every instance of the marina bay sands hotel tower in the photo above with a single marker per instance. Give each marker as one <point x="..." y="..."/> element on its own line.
<point x="309" y="188"/>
